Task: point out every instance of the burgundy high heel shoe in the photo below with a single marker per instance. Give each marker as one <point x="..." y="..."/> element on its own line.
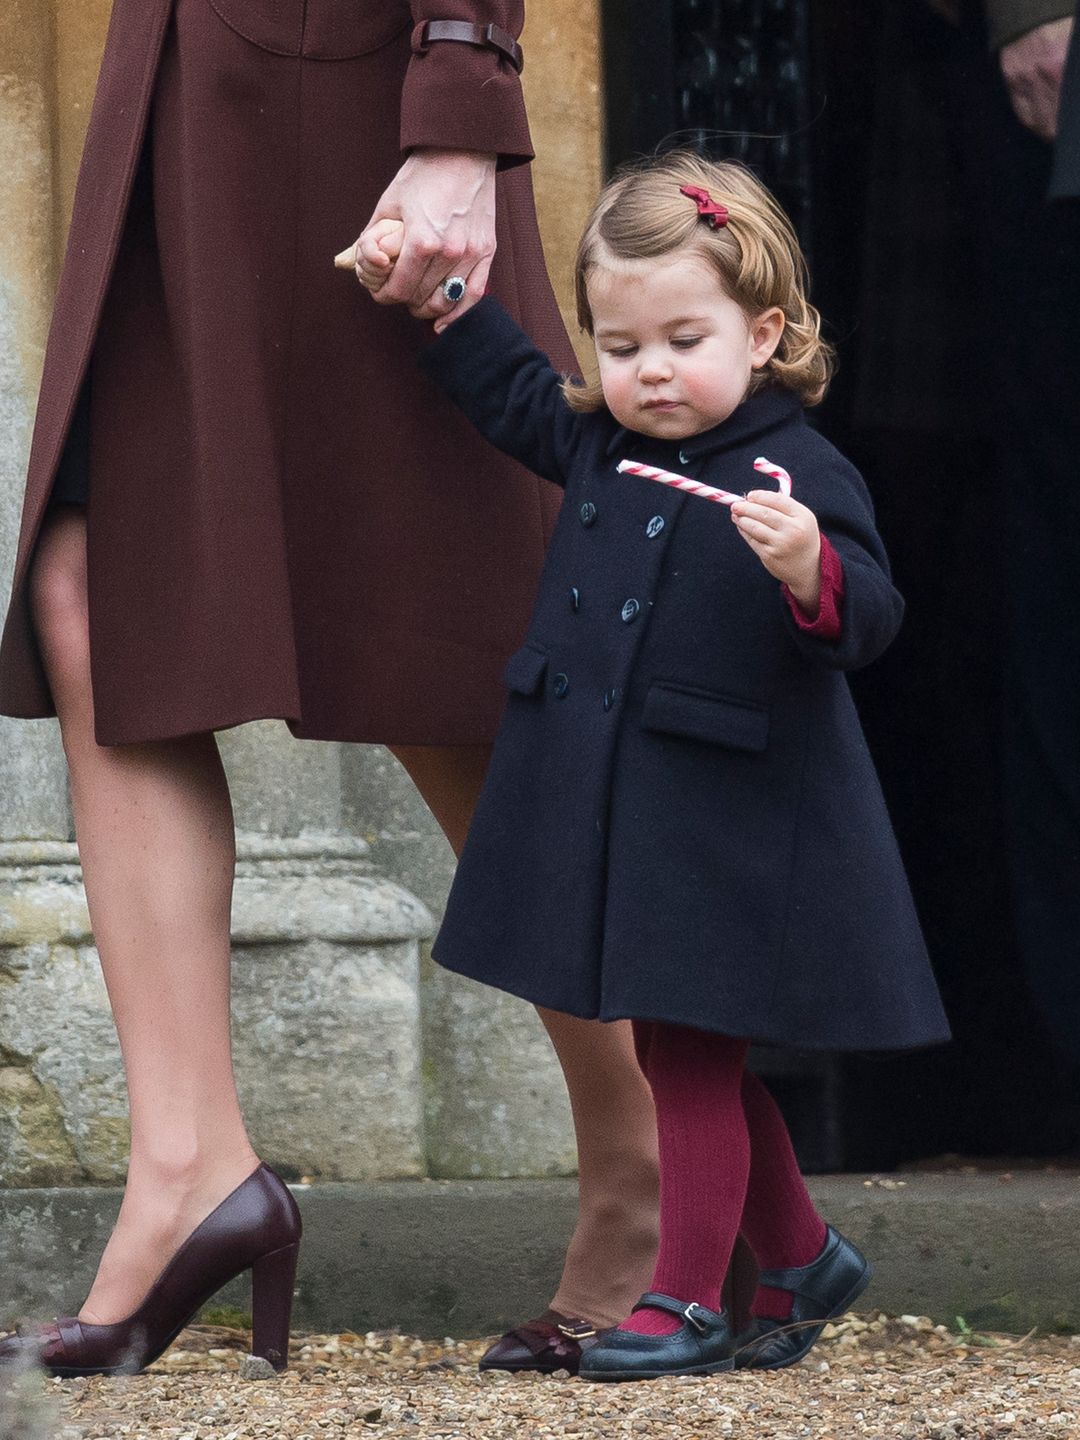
<point x="257" y="1227"/>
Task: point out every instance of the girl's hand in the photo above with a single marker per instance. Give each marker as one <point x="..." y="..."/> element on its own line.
<point x="374" y="254"/>
<point x="784" y="536"/>
<point x="445" y="200"/>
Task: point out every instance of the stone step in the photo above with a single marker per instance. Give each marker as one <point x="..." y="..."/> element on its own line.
<point x="467" y="1258"/>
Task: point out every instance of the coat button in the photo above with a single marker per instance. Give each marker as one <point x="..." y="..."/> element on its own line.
<point x="655" y="525"/>
<point x="575" y="597"/>
<point x="684" y="459"/>
<point x="561" y="685"/>
<point x="630" y="611"/>
<point x="588" y="514"/>
<point x="609" y="699"/>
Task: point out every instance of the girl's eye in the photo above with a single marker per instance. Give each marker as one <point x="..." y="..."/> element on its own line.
<point x="686" y="342"/>
<point x="623" y="352"/>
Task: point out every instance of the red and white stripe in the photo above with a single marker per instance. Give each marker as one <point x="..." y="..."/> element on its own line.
<point x="695" y="487"/>
<point x="777" y="472"/>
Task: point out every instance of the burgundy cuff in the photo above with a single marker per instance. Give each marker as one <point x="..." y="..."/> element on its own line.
<point x="825" y="625"/>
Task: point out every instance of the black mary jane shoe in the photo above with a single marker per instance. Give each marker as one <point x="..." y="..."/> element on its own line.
<point x="702" y="1345"/>
<point x="821" y="1290"/>
<point x="550" y="1342"/>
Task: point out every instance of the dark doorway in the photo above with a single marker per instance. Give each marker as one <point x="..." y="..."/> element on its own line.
<point x="849" y="110"/>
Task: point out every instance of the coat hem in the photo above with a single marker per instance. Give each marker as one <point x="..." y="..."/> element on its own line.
<point x="346" y="735"/>
<point x="773" y="1040"/>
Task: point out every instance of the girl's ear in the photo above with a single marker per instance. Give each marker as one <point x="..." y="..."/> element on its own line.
<point x="765" y="333"/>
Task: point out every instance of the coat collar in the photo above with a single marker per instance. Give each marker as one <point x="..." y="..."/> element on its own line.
<point x="767" y="409"/>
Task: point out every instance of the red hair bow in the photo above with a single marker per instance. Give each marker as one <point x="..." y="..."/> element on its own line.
<point x="709" y="209"/>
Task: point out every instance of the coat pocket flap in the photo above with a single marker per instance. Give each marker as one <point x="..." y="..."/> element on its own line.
<point x="524" y="671"/>
<point x="699" y="715"/>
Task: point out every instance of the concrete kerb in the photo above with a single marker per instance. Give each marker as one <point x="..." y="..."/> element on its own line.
<point x="467" y="1258"/>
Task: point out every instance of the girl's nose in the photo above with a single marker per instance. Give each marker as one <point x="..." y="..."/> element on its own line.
<point x="653" y="368"/>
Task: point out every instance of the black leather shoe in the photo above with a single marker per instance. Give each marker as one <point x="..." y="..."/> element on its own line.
<point x="701" y="1346"/>
<point x="550" y="1342"/>
<point x="822" y="1290"/>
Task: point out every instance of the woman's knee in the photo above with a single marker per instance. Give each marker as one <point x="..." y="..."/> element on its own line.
<point x="58" y="599"/>
<point x="448" y="778"/>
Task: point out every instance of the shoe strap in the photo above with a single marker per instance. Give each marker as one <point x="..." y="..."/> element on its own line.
<point x="698" y="1317"/>
<point x="801" y="1279"/>
<point x="70" y="1333"/>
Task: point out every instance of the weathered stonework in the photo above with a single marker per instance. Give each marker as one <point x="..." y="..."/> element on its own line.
<point x="495" y="1098"/>
<point x="326" y="1017"/>
<point x="326" y="1010"/>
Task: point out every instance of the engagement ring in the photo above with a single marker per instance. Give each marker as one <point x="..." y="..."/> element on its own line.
<point x="453" y="289"/>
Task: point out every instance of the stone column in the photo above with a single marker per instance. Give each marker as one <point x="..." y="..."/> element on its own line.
<point x="33" y="792"/>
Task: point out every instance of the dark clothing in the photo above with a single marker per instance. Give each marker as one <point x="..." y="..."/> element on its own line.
<point x="267" y="533"/>
<point x="1065" y="180"/>
<point x="72" y="483"/>
<point x="968" y="394"/>
<point x="681" y="821"/>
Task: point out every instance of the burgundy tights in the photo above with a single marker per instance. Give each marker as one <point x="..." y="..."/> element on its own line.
<point x="726" y="1165"/>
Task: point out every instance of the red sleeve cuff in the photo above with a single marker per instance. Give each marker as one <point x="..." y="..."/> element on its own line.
<point x="825" y="625"/>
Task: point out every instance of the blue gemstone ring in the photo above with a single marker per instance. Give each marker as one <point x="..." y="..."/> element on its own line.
<point x="454" y="289"/>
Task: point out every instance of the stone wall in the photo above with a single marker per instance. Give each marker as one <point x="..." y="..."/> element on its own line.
<point x="357" y="1059"/>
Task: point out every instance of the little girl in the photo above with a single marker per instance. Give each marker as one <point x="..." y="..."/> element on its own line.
<point x="681" y="823"/>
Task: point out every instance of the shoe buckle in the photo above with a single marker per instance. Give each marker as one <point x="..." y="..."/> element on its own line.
<point x="688" y="1315"/>
<point x="577" y="1330"/>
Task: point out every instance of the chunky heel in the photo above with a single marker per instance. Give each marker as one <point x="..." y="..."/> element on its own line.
<point x="273" y="1277"/>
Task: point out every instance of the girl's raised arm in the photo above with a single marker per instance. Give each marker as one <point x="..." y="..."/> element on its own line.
<point x="508" y="388"/>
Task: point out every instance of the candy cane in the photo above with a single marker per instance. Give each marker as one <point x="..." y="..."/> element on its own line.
<point x="694" y="487"/>
<point x="778" y="473"/>
<point x="679" y="482"/>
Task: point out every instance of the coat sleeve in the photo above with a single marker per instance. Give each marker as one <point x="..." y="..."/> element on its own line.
<point x="458" y="96"/>
<point x="872" y="608"/>
<point x="508" y="388"/>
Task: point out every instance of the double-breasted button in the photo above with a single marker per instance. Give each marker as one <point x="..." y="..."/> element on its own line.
<point x="561" y="685"/>
<point x="588" y="514"/>
<point x="575" y="597"/>
<point x="609" y="699"/>
<point x="630" y="611"/>
<point x="655" y="525"/>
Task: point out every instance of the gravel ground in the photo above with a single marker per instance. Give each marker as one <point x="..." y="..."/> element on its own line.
<point x="870" y="1377"/>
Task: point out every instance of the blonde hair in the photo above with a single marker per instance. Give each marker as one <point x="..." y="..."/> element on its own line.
<point x="641" y="214"/>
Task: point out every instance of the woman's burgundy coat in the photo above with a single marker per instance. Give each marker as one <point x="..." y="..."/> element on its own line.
<point x="681" y="820"/>
<point x="285" y="519"/>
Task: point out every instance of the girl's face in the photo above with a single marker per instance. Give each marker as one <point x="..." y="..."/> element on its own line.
<point x="675" y="351"/>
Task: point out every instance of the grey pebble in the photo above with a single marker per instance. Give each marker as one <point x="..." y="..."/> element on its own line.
<point x="254" y="1367"/>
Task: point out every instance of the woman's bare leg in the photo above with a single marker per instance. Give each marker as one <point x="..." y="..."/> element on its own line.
<point x="155" y="833"/>
<point x="613" y="1249"/>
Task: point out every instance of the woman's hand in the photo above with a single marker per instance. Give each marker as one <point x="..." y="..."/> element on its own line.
<point x="445" y="201"/>
<point x="784" y="535"/>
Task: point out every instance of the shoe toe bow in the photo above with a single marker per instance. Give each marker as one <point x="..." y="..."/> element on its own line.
<point x="550" y="1342"/>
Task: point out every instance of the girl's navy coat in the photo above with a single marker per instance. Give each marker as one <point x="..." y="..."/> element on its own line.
<point x="681" y="820"/>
